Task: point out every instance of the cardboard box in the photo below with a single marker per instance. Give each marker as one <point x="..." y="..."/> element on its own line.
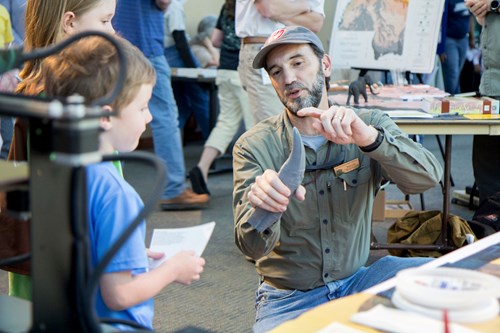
<point x="379" y="207"/>
<point x="397" y="208"/>
<point x="389" y="209"/>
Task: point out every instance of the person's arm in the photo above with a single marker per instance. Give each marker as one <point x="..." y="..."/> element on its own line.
<point x="282" y="10"/>
<point x="479" y="8"/>
<point x="162" y="4"/>
<point x="121" y="290"/>
<point x="311" y="20"/>
<point x="256" y="184"/>
<point x="182" y="46"/>
<point x="214" y="53"/>
<point x="216" y="37"/>
<point x="291" y="12"/>
<point x="404" y="162"/>
<point x="472" y="42"/>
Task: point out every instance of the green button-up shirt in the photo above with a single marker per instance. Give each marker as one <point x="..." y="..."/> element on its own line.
<point x="327" y="236"/>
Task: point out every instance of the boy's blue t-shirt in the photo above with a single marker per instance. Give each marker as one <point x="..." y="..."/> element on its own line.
<point x="141" y="23"/>
<point x="112" y="205"/>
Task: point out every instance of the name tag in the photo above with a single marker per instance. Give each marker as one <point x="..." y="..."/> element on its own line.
<point x="346" y="167"/>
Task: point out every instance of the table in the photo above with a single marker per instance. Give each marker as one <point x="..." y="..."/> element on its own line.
<point x="447" y="127"/>
<point x="341" y="310"/>
<point x="205" y="77"/>
<point x="391" y="98"/>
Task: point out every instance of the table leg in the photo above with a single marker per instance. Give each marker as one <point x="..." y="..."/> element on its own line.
<point x="446" y="191"/>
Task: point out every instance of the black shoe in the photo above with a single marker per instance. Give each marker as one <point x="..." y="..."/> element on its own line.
<point x="197" y="181"/>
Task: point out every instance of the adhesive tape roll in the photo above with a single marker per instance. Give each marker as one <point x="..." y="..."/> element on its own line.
<point x="446" y="287"/>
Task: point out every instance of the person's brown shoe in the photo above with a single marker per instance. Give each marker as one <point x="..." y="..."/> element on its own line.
<point x="185" y="201"/>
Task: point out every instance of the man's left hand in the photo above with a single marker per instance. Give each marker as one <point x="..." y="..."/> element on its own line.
<point x="341" y="125"/>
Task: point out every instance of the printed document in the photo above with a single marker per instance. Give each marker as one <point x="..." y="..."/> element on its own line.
<point x="175" y="240"/>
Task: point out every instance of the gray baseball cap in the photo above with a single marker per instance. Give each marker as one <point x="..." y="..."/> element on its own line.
<point x="287" y="35"/>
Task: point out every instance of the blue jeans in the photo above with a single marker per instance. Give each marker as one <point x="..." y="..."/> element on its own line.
<point x="275" y="306"/>
<point x="6" y="132"/>
<point x="456" y="50"/>
<point x="165" y="129"/>
<point x="191" y="97"/>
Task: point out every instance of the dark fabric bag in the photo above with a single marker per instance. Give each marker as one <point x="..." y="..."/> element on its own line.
<point x="14" y="240"/>
<point x="488" y="214"/>
<point x="424" y="228"/>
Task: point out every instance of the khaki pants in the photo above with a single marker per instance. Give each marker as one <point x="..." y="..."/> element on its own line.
<point x="264" y="101"/>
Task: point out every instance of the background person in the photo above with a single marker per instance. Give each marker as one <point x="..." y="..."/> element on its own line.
<point x="456" y="44"/>
<point x="141" y="23"/>
<point x="255" y="21"/>
<point x="201" y="44"/>
<point x="17" y="11"/>
<point x="233" y="100"/>
<point x="485" y="157"/>
<point x="8" y="82"/>
<point x="191" y="97"/>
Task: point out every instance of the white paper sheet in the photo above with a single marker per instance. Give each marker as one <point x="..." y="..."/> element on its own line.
<point x="392" y="320"/>
<point x="175" y="240"/>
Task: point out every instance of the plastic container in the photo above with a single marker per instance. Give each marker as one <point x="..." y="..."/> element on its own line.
<point x="446" y="288"/>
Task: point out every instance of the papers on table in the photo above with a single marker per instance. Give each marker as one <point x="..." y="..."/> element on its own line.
<point x="392" y="320"/>
<point x="173" y="241"/>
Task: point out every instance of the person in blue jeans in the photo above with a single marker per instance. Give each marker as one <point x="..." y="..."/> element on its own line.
<point x="314" y="244"/>
<point x="12" y="35"/>
<point x="191" y="97"/>
<point x="141" y="22"/>
<point x="456" y="44"/>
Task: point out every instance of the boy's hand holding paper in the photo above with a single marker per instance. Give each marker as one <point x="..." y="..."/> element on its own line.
<point x="172" y="241"/>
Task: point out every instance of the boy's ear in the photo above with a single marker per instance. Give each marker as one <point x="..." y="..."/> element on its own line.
<point x="68" y="22"/>
<point x="105" y="122"/>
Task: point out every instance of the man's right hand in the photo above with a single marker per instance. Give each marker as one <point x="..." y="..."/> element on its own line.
<point x="269" y="193"/>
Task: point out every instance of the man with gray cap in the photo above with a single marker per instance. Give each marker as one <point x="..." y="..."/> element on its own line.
<point x="316" y="249"/>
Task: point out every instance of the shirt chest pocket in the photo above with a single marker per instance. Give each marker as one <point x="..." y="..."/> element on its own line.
<point x="349" y="191"/>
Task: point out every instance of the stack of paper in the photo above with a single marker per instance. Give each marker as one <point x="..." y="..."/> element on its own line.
<point x="173" y="241"/>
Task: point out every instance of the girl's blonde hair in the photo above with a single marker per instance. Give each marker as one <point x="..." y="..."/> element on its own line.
<point x="90" y="67"/>
<point x="44" y="27"/>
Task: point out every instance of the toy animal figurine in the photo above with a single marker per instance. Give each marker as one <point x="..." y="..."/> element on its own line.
<point x="359" y="87"/>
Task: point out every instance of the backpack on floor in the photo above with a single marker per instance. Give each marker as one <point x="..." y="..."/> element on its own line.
<point x="487" y="216"/>
<point x="424" y="228"/>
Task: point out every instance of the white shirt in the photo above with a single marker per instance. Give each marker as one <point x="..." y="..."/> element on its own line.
<point x="249" y="22"/>
<point x="175" y="19"/>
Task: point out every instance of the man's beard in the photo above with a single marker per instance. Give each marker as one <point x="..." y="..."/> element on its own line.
<point x="313" y="97"/>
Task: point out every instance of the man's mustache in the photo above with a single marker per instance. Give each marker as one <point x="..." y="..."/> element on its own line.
<point x="293" y="86"/>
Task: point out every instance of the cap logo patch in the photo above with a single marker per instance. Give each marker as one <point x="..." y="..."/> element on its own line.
<point x="277" y="34"/>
